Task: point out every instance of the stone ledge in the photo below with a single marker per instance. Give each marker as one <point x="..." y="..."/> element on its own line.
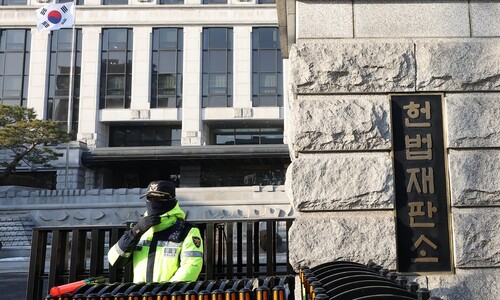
<point x="117" y="207"/>
<point x="20" y="191"/>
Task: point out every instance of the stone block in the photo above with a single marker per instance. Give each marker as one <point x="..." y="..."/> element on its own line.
<point x="145" y="114"/>
<point x="473" y="120"/>
<point x="485" y="20"/>
<point x="341" y="182"/>
<point x="458" y="64"/>
<point x="464" y="285"/>
<point x="355" y="66"/>
<point x="411" y="18"/>
<point x="93" y="192"/>
<point x="324" y="19"/>
<point x="135" y="114"/>
<point x="338" y="123"/>
<point x="474" y="177"/>
<point x="476" y="237"/>
<point x="322" y="237"/>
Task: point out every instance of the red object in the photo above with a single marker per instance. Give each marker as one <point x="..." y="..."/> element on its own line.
<point x="67" y="288"/>
<point x="71" y="287"/>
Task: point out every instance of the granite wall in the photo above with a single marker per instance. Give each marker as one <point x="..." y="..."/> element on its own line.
<point x="346" y="59"/>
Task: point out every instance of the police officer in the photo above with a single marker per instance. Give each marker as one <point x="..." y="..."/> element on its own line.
<point x="162" y="245"/>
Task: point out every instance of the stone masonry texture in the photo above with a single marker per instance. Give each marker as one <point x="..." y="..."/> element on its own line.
<point x="473" y="120"/>
<point x="352" y="67"/>
<point x="465" y="284"/>
<point x="341" y="182"/>
<point x="458" y="65"/>
<point x="477" y="238"/>
<point x="341" y="123"/>
<point x="340" y="133"/>
<point x="475" y="177"/>
<point x="316" y="238"/>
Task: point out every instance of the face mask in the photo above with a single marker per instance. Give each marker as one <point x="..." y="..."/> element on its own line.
<point x="160" y="207"/>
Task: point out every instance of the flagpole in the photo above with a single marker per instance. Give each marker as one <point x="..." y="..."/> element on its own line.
<point x="70" y="91"/>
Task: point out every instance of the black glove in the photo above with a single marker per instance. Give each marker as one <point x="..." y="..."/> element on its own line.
<point x="144" y="224"/>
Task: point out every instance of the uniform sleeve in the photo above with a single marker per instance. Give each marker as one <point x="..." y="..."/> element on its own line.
<point x="121" y="253"/>
<point x="191" y="257"/>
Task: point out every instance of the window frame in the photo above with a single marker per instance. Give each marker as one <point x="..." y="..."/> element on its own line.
<point x="165" y="2"/>
<point x="111" y="96"/>
<point x="217" y="85"/>
<point x="128" y="140"/>
<point x="22" y="49"/>
<point x="244" y="136"/>
<point x="56" y="50"/>
<point x="111" y="2"/>
<point x="261" y="97"/>
<point x="214" y="2"/>
<point x="158" y="52"/>
<point x="8" y="2"/>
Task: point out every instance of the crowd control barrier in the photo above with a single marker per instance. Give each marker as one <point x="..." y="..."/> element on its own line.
<point x="262" y="288"/>
<point x="343" y="280"/>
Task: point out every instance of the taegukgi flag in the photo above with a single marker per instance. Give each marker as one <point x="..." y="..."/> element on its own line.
<point x="55" y="16"/>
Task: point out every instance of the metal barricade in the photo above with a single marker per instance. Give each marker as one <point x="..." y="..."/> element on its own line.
<point x="343" y="280"/>
<point x="262" y="288"/>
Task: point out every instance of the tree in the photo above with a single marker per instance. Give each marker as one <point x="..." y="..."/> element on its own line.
<point x="28" y="138"/>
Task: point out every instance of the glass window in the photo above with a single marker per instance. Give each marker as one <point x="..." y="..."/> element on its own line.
<point x="116" y="68"/>
<point x="166" y="69"/>
<point x="78" y="2"/>
<point x="130" y="136"/>
<point x="240" y="136"/>
<point x="114" y="2"/>
<point x="14" y="66"/>
<point x="267" y="69"/>
<point x="13" y="2"/>
<point x="170" y="2"/>
<point x="167" y="62"/>
<point x="242" y="174"/>
<point x="217" y="65"/>
<point x="214" y="1"/>
<point x="266" y="1"/>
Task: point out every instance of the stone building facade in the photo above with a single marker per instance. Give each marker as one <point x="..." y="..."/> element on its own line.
<point x="347" y="58"/>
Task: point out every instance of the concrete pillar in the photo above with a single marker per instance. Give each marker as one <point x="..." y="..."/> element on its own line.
<point x="89" y="128"/>
<point x="191" y="100"/>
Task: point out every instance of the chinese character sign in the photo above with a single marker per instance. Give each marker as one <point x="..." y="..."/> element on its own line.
<point x="423" y="238"/>
<point x="55" y="16"/>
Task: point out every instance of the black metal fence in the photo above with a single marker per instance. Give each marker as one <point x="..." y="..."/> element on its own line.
<point x="343" y="280"/>
<point x="241" y="248"/>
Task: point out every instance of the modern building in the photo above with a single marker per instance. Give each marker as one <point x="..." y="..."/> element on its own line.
<point x="187" y="90"/>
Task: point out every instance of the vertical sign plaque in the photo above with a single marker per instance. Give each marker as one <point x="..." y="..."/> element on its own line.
<point x="423" y="237"/>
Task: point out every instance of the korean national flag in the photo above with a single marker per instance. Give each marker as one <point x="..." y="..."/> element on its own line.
<point x="55" y="16"/>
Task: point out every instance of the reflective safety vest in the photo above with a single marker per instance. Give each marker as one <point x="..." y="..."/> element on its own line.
<point x="171" y="251"/>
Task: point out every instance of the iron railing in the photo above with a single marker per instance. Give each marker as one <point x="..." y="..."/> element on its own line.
<point x="238" y="248"/>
